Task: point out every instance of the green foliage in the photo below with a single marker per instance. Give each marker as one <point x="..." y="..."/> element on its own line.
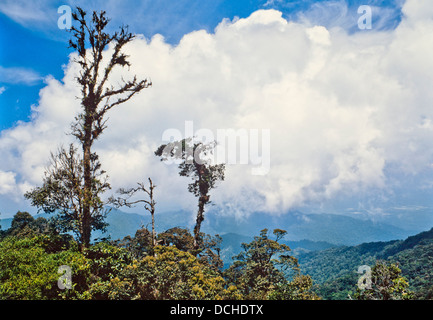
<point x="386" y="284"/>
<point x="24" y="225"/>
<point x="262" y="270"/>
<point x="133" y="269"/>
<point x="31" y="254"/>
<point x="174" y="274"/>
<point x="29" y="271"/>
<point x="416" y="264"/>
<point x="208" y="252"/>
<point x="105" y="262"/>
<point x="179" y="237"/>
<point x="340" y="288"/>
<point x="170" y="274"/>
<point x="300" y="288"/>
<point x="138" y="246"/>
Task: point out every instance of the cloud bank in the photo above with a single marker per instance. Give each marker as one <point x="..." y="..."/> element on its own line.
<point x="345" y="111"/>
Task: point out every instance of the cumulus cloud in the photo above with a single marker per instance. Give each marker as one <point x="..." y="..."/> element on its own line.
<point x="341" y="109"/>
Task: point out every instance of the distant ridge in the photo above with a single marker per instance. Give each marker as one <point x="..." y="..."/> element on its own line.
<point x="329" y="228"/>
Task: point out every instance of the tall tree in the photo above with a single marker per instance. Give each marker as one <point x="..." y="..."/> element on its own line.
<point x="92" y="44"/>
<point x="97" y="97"/>
<point x="195" y="162"/>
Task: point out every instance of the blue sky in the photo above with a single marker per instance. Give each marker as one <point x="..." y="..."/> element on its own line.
<point x="351" y="111"/>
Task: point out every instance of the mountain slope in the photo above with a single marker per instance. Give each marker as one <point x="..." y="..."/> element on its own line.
<point x="334" y="270"/>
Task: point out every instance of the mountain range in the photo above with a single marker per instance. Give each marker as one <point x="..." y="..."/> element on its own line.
<point x="328" y="228"/>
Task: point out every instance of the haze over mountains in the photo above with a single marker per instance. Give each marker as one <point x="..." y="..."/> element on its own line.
<point x="330" y="228"/>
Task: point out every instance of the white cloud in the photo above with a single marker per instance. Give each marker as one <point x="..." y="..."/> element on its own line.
<point x="25" y="12"/>
<point x="15" y="75"/>
<point x="2" y="89"/>
<point x="7" y="182"/>
<point x="341" y="109"/>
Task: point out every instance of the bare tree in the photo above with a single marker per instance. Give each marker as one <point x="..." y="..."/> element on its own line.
<point x="149" y="205"/>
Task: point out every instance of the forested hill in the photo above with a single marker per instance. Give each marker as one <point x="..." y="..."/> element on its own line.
<point x="334" y="270"/>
